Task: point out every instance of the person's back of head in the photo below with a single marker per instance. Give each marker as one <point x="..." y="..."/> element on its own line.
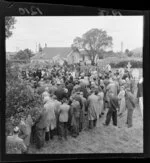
<point x="96" y="92"/>
<point x="16" y="130"/>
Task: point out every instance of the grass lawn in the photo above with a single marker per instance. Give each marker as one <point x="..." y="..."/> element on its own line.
<point x="101" y="139"/>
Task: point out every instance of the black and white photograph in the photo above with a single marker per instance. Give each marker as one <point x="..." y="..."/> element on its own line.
<point x="74" y="84"/>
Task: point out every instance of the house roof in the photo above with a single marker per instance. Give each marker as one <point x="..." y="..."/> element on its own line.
<point x="50" y="52"/>
<point x="11" y="53"/>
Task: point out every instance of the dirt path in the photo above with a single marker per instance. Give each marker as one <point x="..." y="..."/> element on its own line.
<point x="101" y="139"/>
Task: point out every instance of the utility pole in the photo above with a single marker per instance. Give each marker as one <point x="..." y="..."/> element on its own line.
<point x="121" y="47"/>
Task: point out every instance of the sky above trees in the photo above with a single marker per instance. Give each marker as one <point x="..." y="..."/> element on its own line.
<point x="60" y="31"/>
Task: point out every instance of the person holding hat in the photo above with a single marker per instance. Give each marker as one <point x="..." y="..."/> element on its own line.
<point x="14" y="144"/>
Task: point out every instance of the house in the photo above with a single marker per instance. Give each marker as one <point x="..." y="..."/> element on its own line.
<point x="10" y="55"/>
<point x="78" y="56"/>
<point x="57" y="55"/>
<point x="52" y="54"/>
<point x="73" y="57"/>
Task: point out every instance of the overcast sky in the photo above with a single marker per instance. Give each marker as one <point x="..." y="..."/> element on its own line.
<point x="60" y="31"/>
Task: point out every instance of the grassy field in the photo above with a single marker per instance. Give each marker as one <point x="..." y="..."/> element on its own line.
<point x="101" y="139"/>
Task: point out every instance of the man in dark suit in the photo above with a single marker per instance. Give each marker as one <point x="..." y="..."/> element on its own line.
<point x="41" y="125"/>
<point x="130" y="105"/>
<point x="140" y="94"/>
<point x="60" y="92"/>
<point x="113" y="107"/>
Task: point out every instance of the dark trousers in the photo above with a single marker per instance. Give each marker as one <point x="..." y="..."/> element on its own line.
<point x="92" y="123"/>
<point x="49" y="135"/>
<point x="40" y="137"/>
<point x="33" y="134"/>
<point x="81" y="121"/>
<point x="63" y="130"/>
<point x="111" y="114"/>
<point x="129" y="117"/>
<point x="57" y="124"/>
<point x="75" y="128"/>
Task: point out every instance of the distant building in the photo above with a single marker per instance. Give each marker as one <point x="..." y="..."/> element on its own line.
<point x="58" y="55"/>
<point x="10" y="55"/>
<point x="51" y="54"/>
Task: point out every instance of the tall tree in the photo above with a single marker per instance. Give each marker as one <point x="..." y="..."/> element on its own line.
<point x="9" y="25"/>
<point x="128" y="53"/>
<point x="93" y="42"/>
<point x="77" y="45"/>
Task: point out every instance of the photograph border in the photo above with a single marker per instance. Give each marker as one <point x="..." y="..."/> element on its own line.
<point x="7" y="9"/>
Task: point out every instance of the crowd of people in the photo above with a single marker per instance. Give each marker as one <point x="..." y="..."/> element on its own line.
<point x="75" y="99"/>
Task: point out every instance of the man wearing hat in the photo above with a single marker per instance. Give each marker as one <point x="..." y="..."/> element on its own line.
<point x="14" y="144"/>
<point x="60" y="92"/>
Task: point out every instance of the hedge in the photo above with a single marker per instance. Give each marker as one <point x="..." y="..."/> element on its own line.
<point x="122" y="64"/>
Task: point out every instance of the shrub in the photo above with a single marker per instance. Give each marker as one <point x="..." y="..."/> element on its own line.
<point x="134" y="64"/>
<point x="21" y="99"/>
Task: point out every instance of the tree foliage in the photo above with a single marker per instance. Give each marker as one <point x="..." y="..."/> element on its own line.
<point x="9" y="25"/>
<point x="21" y="99"/>
<point x="128" y="53"/>
<point x="24" y="55"/>
<point x="94" y="42"/>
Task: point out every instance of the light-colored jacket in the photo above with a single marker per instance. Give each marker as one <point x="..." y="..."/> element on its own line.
<point x="50" y="108"/>
<point x="15" y="145"/>
<point x="93" y="107"/>
<point x="130" y="100"/>
<point x="64" y="110"/>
